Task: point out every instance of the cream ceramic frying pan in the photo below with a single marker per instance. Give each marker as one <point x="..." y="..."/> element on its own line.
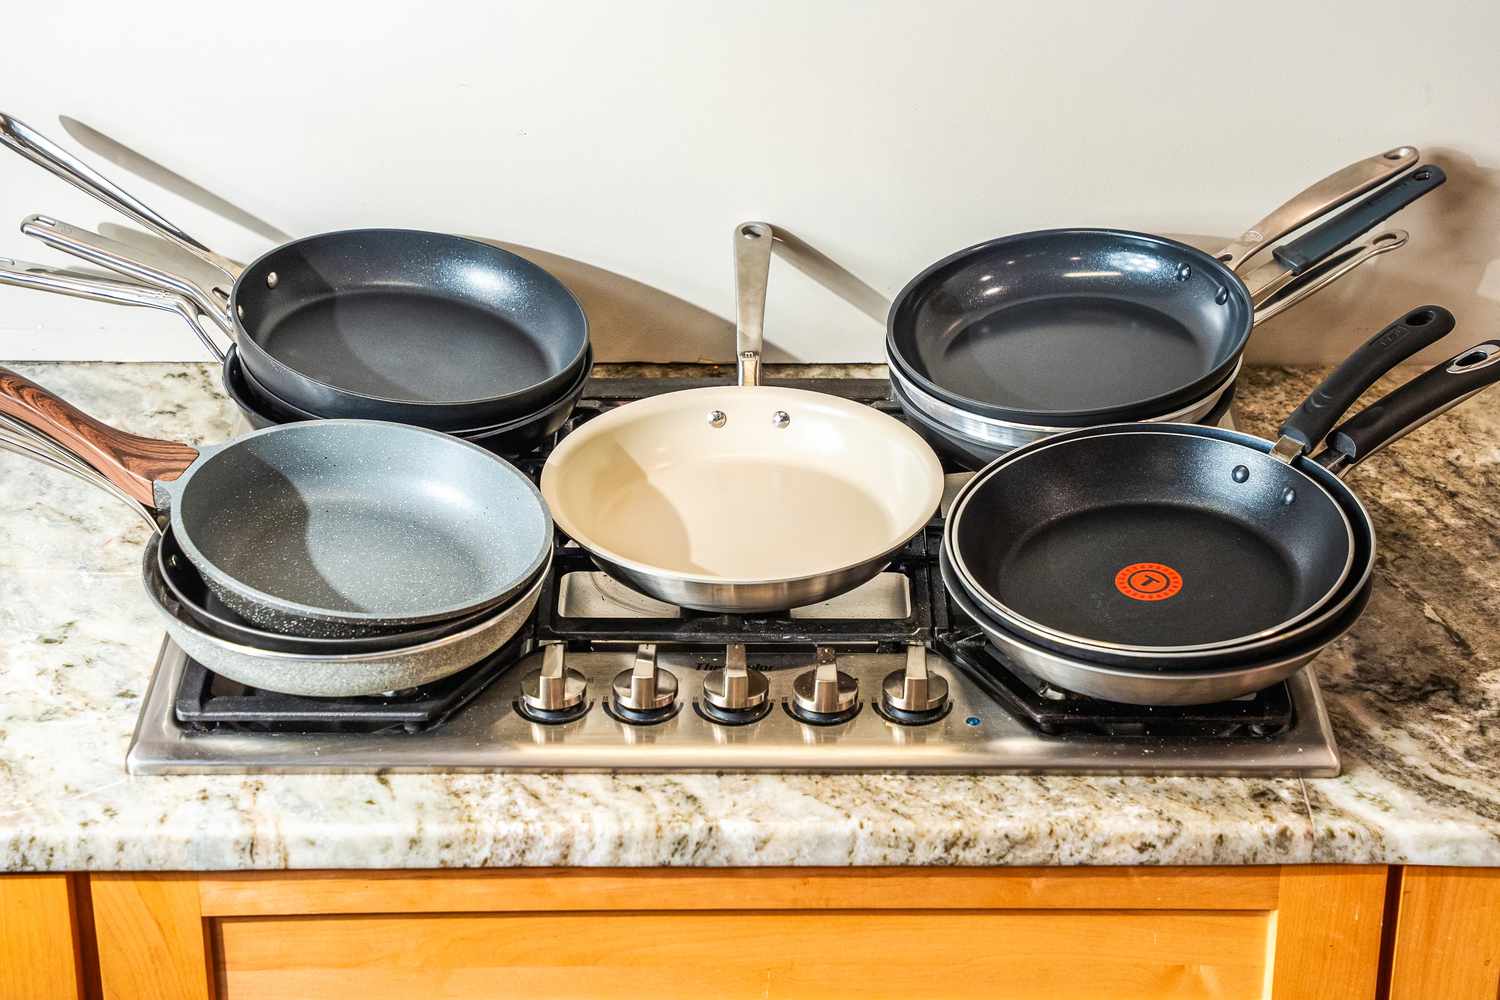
<point x="743" y="498"/>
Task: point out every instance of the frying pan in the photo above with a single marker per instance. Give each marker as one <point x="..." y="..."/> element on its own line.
<point x="1074" y="327"/>
<point x="424" y="328"/>
<point x="1231" y="517"/>
<point x="325" y="528"/>
<point x="975" y="434"/>
<point x="743" y="498"/>
<point x="260" y="408"/>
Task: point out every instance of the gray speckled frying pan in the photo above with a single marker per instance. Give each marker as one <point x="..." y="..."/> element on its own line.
<point x="327" y="528"/>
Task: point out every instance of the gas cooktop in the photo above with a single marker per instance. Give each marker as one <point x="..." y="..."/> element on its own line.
<point x="888" y="677"/>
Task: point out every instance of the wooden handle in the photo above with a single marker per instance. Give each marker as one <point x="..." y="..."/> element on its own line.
<point x="131" y="462"/>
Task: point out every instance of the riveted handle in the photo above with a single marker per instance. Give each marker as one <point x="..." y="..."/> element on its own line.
<point x="1318" y="200"/>
<point x="752" y="270"/>
<point x="1355" y="221"/>
<point x="1310" y="423"/>
<point x="1430" y="394"/>
<point x="130" y="461"/>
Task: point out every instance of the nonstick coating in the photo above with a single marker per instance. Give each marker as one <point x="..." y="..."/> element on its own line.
<point x="425" y="328"/>
<point x="315" y="527"/>
<point x="1152" y="539"/>
<point x="1069" y="327"/>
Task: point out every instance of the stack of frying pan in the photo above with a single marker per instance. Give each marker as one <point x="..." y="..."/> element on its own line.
<point x="426" y="329"/>
<point x="1173" y="564"/>
<point x="1030" y="335"/>
<point x="327" y="558"/>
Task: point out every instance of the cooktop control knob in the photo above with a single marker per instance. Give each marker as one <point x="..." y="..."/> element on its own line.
<point x="735" y="694"/>
<point x="646" y="693"/>
<point x="825" y="694"/>
<point x="912" y="695"/>
<point x="555" y="693"/>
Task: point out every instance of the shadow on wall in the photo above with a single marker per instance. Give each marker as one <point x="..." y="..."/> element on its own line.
<point x="1453" y="259"/>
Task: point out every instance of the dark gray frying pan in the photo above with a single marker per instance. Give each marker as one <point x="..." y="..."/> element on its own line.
<point x="424" y="328"/>
<point x="325" y="528"/>
<point x="1077" y="327"/>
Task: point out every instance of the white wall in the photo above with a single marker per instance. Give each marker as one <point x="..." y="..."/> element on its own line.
<point x="631" y="136"/>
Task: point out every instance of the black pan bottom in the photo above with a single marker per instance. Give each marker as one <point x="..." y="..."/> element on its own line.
<point x="407" y="344"/>
<point x="1070" y="352"/>
<point x="1149" y="575"/>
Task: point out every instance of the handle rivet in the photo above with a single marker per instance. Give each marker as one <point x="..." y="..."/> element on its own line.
<point x="271" y="279"/>
<point x="1288" y="496"/>
<point x="1184" y="272"/>
<point x="1241" y="474"/>
<point x="780" y="418"/>
<point x="717" y="418"/>
<point x="1222" y="297"/>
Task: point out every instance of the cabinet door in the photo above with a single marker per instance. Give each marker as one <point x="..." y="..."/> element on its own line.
<point x="41" y="957"/>
<point x="1002" y="933"/>
<point x="1447" y="935"/>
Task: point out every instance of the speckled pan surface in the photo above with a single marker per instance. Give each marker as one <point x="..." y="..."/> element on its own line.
<point x="1413" y="689"/>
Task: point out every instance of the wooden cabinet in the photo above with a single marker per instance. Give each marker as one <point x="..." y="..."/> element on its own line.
<point x="43" y="955"/>
<point x="1447" y="935"/>
<point x="1054" y="933"/>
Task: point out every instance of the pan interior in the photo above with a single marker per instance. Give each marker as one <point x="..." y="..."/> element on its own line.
<point x="1153" y="540"/>
<point x="1071" y="321"/>
<point x="656" y="485"/>
<point x="411" y="316"/>
<point x="362" y="519"/>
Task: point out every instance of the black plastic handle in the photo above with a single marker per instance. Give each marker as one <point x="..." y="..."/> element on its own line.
<point x="1355" y="221"/>
<point x="1310" y="423"/>
<point x="1415" y="403"/>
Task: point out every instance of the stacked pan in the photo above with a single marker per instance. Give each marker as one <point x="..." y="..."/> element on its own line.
<point x="1173" y="564"/>
<point x="426" y="329"/>
<point x="329" y="558"/>
<point x="1040" y="333"/>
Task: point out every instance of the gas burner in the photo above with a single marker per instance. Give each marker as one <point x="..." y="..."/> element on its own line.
<point x="888" y="677"/>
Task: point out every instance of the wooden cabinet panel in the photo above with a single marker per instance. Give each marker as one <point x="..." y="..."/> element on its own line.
<point x="1061" y="955"/>
<point x="41" y="955"/>
<point x="1447" y="935"/>
<point x="152" y="942"/>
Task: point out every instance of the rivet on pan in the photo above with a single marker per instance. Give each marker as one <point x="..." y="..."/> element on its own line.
<point x="1241" y="474"/>
<point x="780" y="418"/>
<point x="271" y="279"/>
<point x="716" y="418"/>
<point x="1222" y="297"/>
<point x="240" y="311"/>
<point x="1288" y="496"/>
<point x="1184" y="272"/>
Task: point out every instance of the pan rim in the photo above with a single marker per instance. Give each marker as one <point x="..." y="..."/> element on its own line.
<point x="1237" y="438"/>
<point x="178" y="487"/>
<point x="1066" y="418"/>
<point x="557" y="463"/>
<point x="376" y="656"/>
<point x="234" y="313"/>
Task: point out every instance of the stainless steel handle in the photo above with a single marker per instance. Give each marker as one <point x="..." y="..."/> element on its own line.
<point x="1319" y="199"/>
<point x="752" y="270"/>
<point x="1280" y="295"/>
<point x="51" y="157"/>
<point x="211" y="300"/>
<point x="102" y="288"/>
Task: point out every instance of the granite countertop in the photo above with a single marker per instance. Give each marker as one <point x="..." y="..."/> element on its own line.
<point x="1414" y="692"/>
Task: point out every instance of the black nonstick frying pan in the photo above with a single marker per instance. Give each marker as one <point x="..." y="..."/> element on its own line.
<point x="1134" y="541"/>
<point x="1076" y="327"/>
<point x="325" y="528"/>
<point x="423" y="328"/>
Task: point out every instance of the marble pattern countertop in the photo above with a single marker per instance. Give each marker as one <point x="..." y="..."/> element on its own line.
<point x="1414" y="692"/>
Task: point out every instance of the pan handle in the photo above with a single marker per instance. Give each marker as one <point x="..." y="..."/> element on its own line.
<point x="1310" y="423"/>
<point x="102" y="288"/>
<point x="51" y="157"/>
<point x="1320" y="199"/>
<point x="130" y="461"/>
<point x="130" y="261"/>
<point x="18" y="445"/>
<point x="752" y="270"/>
<point x="1321" y="275"/>
<point x="1430" y="394"/>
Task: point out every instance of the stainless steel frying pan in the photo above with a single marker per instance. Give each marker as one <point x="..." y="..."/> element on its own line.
<point x="743" y="498"/>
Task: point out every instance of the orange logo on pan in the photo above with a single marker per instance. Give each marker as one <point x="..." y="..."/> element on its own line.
<point x="1148" y="581"/>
